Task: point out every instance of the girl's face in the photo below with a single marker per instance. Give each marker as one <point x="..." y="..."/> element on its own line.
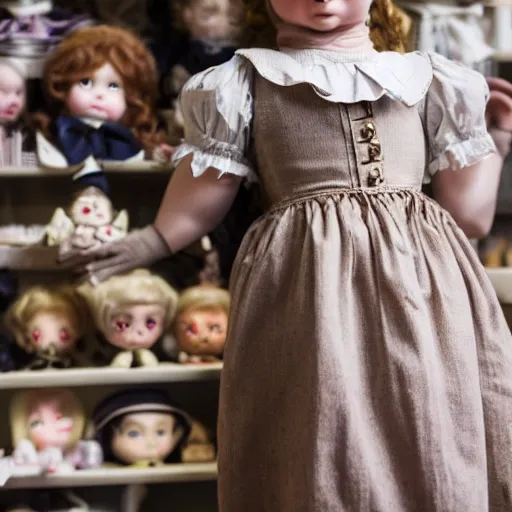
<point x="52" y="330"/>
<point x="322" y="16"/>
<point x="137" y="327"/>
<point x="48" y="427"/>
<point x="202" y="331"/>
<point x="98" y="96"/>
<point x="144" y="436"/>
<point x="12" y="94"/>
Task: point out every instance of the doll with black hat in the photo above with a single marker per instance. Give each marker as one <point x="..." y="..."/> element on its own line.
<point x="140" y="427"/>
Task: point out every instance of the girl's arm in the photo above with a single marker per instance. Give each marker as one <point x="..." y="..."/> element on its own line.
<point x="191" y="208"/>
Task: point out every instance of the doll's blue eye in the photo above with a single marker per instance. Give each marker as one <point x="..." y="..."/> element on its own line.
<point x="161" y="432"/>
<point x="86" y="83"/>
<point x="113" y="86"/>
<point x="133" y="434"/>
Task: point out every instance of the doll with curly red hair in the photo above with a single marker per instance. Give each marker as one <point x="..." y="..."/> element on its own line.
<point x="101" y="86"/>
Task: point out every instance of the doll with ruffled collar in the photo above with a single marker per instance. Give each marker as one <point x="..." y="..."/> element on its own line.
<point x="100" y="84"/>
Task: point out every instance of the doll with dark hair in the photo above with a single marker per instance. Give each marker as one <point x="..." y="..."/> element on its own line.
<point x="368" y="363"/>
<point x="101" y="87"/>
<point x="140" y="427"/>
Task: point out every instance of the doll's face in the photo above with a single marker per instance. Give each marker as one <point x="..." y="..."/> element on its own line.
<point x="12" y="95"/>
<point x="322" y="16"/>
<point x="48" y="426"/>
<point x="91" y="210"/>
<point x="52" y="330"/>
<point x="145" y="436"/>
<point x="212" y="19"/>
<point x="137" y="326"/>
<point x="202" y="331"/>
<point x="98" y="96"/>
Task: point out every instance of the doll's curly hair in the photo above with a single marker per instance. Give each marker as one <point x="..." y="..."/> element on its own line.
<point x="386" y="25"/>
<point x="86" y="50"/>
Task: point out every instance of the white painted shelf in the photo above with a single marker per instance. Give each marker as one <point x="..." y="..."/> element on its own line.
<point x="79" y="377"/>
<point x="501" y="56"/>
<point x="193" y="472"/>
<point x="147" y="166"/>
<point x="501" y="279"/>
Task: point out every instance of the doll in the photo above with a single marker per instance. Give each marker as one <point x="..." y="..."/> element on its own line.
<point x="15" y="138"/>
<point x="47" y="323"/>
<point x="47" y="426"/>
<point x="198" y="446"/>
<point x="132" y="312"/>
<point x="200" y="326"/>
<point x="140" y="427"/>
<point x="101" y="85"/>
<point x="91" y="222"/>
<point x="368" y="363"/>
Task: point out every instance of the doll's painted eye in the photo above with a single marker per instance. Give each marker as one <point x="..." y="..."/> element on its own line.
<point x="192" y="329"/>
<point x="114" y="86"/>
<point x="64" y="335"/>
<point x="150" y="324"/>
<point x="161" y="432"/>
<point x="134" y="434"/>
<point x="86" y="210"/>
<point x="36" y="336"/>
<point x="35" y="424"/>
<point x="215" y="328"/>
<point x="86" y="83"/>
<point x="122" y="325"/>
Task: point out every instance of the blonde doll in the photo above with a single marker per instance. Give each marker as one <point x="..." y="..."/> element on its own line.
<point x="47" y="323"/>
<point x="368" y="364"/>
<point x="132" y="312"/>
<point x="47" y="426"/>
<point x="201" y="324"/>
<point x="101" y="86"/>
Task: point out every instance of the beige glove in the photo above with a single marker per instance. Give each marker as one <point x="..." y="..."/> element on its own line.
<point x="138" y="249"/>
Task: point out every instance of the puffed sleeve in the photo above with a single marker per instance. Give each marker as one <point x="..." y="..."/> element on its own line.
<point x="217" y="106"/>
<point x="453" y="113"/>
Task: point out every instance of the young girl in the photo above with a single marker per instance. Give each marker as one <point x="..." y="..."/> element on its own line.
<point x="368" y="365"/>
<point x="101" y="85"/>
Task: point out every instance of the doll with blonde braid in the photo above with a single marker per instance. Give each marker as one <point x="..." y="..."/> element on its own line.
<point x="368" y="365"/>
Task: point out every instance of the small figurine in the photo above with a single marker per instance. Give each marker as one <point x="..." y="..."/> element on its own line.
<point x="132" y="312"/>
<point x="198" y="446"/>
<point x="140" y="427"/>
<point x="101" y="84"/>
<point x="47" y="324"/>
<point x="47" y="427"/>
<point x="92" y="221"/>
<point x="201" y="324"/>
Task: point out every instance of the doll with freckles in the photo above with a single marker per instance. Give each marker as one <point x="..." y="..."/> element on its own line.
<point x="132" y="312"/>
<point x="101" y="85"/>
<point x="47" y="324"/>
<point x="368" y="363"/>
<point x="47" y="429"/>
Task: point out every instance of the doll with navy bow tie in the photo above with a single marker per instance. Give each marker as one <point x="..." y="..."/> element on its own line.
<point x="101" y="84"/>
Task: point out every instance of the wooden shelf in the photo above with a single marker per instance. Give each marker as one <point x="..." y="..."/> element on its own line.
<point x="102" y="376"/>
<point x="146" y="166"/>
<point x="193" y="472"/>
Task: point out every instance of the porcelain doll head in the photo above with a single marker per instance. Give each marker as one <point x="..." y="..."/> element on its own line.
<point x="45" y="320"/>
<point x="13" y="75"/>
<point x="91" y="207"/>
<point x="134" y="310"/>
<point x="49" y="418"/>
<point x="140" y="426"/>
<point x="104" y="73"/>
<point x="201" y="321"/>
<point x="213" y="20"/>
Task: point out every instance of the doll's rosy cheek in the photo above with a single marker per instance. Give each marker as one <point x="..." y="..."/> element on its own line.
<point x="86" y="210"/>
<point x="121" y="325"/>
<point x="65" y="336"/>
<point x="36" y="336"/>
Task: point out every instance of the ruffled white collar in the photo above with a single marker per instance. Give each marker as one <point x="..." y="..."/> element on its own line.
<point x="347" y="77"/>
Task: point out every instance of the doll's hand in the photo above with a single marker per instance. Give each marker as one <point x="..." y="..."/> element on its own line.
<point x="139" y="249"/>
<point x="163" y="153"/>
<point x="499" y="107"/>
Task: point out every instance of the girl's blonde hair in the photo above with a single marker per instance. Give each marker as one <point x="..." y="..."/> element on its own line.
<point x="86" y="50"/>
<point x="23" y="403"/>
<point x="204" y="297"/>
<point x="139" y="287"/>
<point x="387" y="29"/>
<point x="62" y="299"/>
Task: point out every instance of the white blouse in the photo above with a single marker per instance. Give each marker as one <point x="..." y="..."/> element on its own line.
<point x="217" y="104"/>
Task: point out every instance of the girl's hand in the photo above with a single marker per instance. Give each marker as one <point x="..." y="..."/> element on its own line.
<point x="163" y="153"/>
<point x="499" y="106"/>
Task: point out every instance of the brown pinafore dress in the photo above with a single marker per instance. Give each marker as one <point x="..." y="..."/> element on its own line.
<point x="368" y="366"/>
